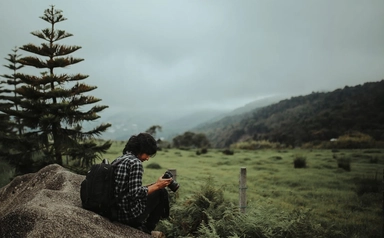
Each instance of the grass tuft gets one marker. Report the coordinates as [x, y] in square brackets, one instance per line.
[299, 162]
[344, 163]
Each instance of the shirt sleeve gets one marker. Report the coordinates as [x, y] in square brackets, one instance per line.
[135, 188]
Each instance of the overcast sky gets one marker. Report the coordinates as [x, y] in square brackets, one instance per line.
[180, 56]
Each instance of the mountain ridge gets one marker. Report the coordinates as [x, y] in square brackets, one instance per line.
[318, 116]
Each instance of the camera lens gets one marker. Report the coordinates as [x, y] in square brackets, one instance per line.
[173, 186]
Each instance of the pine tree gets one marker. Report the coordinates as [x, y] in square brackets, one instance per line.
[10, 94]
[5, 125]
[52, 102]
[15, 149]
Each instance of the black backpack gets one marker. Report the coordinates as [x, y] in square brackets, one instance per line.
[97, 190]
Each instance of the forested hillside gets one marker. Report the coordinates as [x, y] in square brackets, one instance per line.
[319, 116]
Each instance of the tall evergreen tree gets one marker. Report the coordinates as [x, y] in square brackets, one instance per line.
[5, 125]
[52, 101]
[10, 94]
[15, 149]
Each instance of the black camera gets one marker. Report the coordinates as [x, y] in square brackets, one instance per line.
[173, 185]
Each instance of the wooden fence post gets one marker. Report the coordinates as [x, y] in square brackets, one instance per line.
[243, 189]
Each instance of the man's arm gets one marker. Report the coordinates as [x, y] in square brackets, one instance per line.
[160, 183]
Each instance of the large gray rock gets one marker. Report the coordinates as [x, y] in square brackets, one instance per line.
[47, 204]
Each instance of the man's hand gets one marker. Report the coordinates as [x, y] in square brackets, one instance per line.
[160, 183]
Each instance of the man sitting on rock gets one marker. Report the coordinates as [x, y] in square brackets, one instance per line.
[139, 206]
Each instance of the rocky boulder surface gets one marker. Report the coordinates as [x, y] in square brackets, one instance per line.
[47, 204]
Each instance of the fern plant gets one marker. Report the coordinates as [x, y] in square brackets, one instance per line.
[208, 214]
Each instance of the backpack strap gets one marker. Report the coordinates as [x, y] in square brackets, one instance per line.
[114, 209]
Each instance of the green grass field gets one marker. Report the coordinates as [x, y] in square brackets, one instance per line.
[351, 200]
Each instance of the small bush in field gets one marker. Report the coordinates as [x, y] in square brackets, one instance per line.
[228, 152]
[202, 151]
[344, 163]
[276, 157]
[300, 162]
[153, 166]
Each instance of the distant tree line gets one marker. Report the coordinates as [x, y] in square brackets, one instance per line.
[191, 140]
[41, 115]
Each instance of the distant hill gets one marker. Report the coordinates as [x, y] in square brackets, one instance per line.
[318, 116]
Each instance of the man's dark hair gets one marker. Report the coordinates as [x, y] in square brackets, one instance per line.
[141, 143]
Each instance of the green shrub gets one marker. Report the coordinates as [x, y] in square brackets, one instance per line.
[300, 162]
[228, 152]
[202, 151]
[208, 214]
[153, 166]
[186, 218]
[344, 163]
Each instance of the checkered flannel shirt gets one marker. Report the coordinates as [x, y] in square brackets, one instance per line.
[128, 182]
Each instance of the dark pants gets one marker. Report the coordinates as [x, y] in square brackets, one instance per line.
[157, 207]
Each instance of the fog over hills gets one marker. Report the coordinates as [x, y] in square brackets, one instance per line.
[125, 124]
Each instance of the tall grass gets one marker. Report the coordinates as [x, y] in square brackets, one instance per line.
[331, 197]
